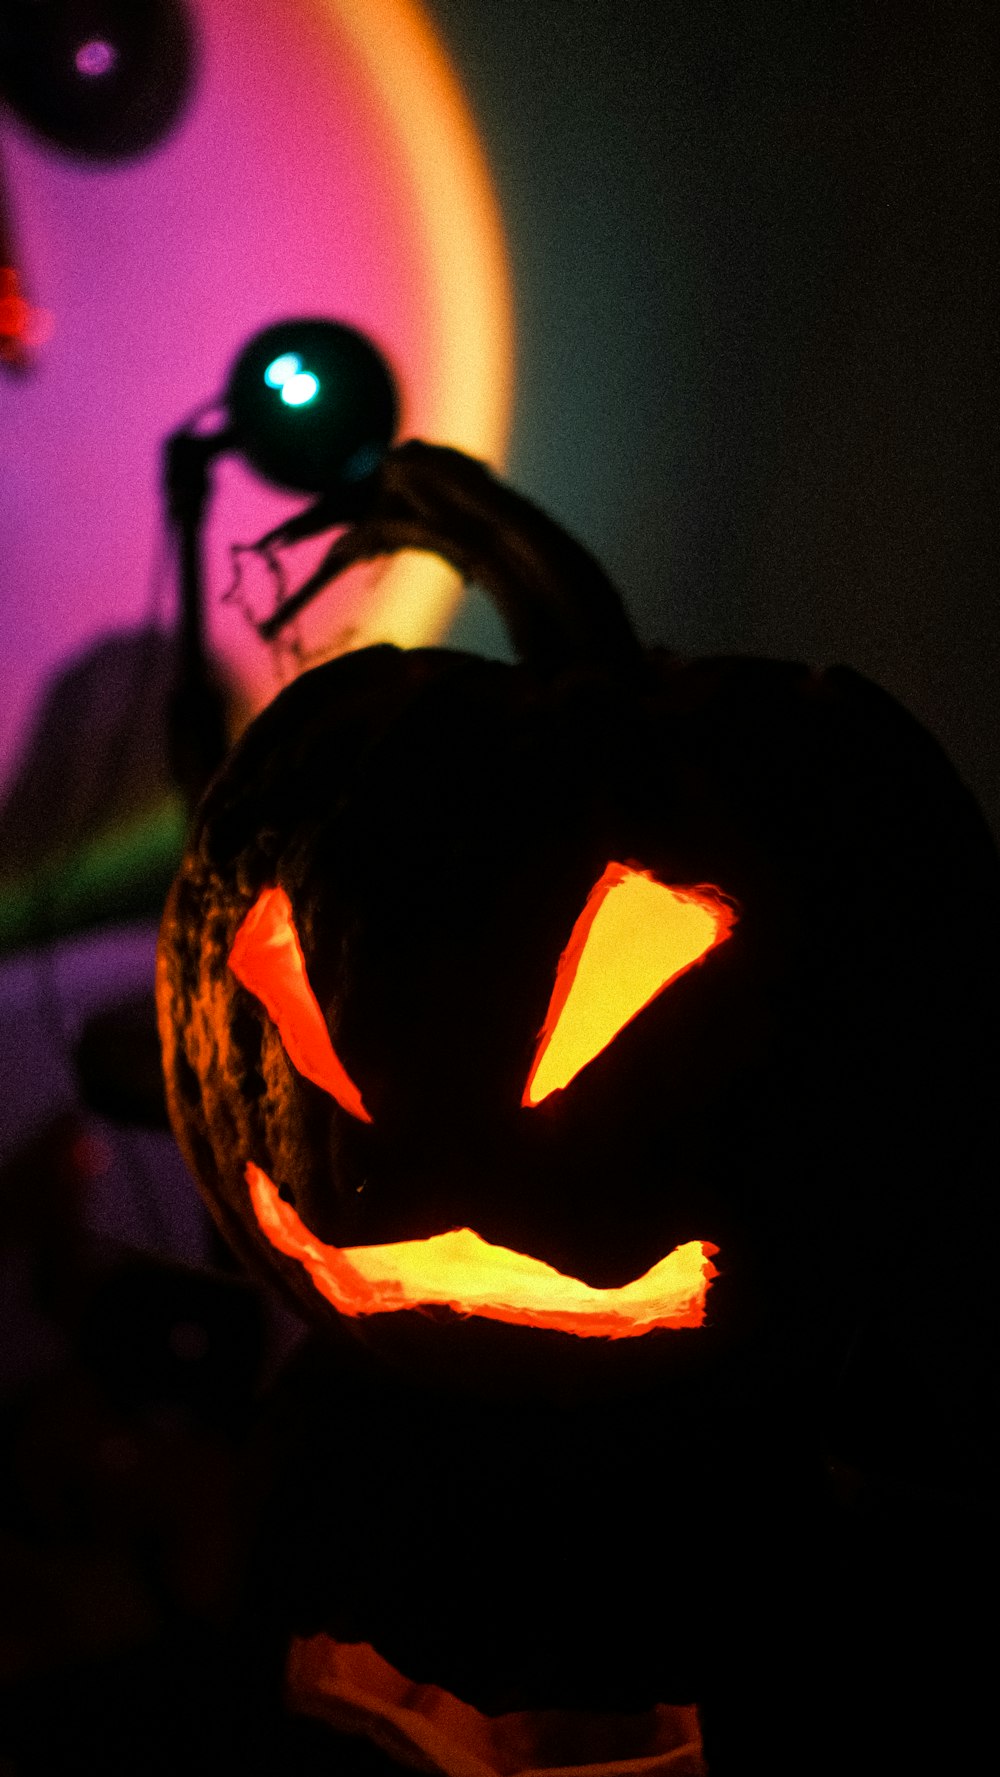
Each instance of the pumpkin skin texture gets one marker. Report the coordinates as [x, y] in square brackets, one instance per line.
[538, 1519]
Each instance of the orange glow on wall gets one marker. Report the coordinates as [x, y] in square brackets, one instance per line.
[451, 191]
[458, 1270]
[634, 937]
[465, 280]
[267, 959]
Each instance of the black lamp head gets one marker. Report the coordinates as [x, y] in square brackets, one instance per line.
[313, 407]
[102, 80]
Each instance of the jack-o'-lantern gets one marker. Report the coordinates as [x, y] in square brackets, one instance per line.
[587, 1030]
[517, 994]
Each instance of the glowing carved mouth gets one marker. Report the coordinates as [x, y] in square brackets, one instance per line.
[460, 1271]
[358, 1692]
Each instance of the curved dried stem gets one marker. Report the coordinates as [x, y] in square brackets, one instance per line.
[557, 602]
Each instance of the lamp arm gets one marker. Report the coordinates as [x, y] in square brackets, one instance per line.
[196, 716]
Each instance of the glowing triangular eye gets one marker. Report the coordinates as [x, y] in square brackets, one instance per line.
[634, 936]
[267, 959]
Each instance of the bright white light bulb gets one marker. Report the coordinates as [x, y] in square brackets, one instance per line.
[298, 389]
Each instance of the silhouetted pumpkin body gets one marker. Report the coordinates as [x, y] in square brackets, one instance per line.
[790, 1098]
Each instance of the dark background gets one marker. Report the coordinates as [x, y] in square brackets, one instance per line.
[754, 247]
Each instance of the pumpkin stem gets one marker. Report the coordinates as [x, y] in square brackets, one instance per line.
[557, 602]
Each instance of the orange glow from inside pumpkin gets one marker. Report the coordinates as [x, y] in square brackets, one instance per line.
[356, 1691]
[267, 959]
[460, 1271]
[632, 939]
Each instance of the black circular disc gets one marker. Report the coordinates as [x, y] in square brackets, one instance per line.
[100, 79]
[313, 406]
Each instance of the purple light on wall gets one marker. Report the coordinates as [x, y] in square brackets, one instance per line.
[207, 215]
[95, 57]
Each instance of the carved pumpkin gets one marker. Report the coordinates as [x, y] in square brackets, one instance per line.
[599, 1028]
[389, 1050]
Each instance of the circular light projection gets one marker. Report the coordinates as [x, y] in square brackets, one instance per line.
[326, 165]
